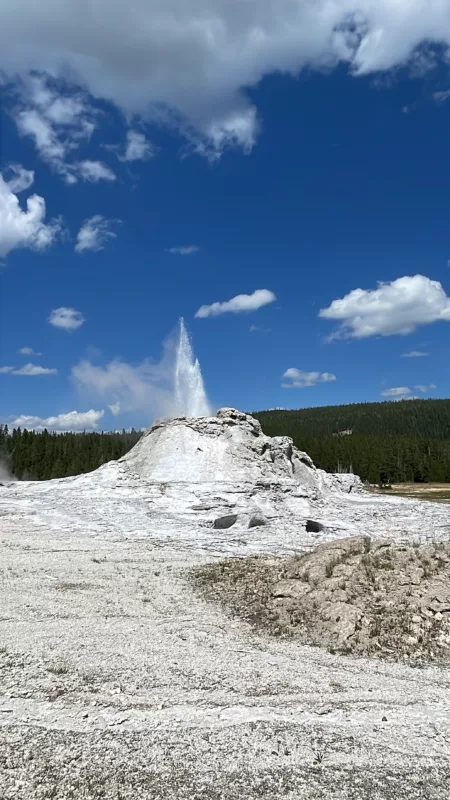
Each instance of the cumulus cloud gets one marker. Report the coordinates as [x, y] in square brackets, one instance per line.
[414, 354]
[424, 388]
[398, 307]
[114, 409]
[71, 421]
[66, 318]
[299, 379]
[19, 228]
[238, 304]
[188, 62]
[188, 250]
[28, 351]
[397, 392]
[29, 369]
[34, 369]
[94, 234]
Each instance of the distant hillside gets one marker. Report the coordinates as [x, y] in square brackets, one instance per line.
[387, 442]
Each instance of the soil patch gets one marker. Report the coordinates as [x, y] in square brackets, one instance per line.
[356, 595]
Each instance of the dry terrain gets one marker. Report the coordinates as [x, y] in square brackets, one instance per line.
[123, 679]
[437, 492]
[119, 681]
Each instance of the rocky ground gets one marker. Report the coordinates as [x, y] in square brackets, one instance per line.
[355, 595]
[119, 680]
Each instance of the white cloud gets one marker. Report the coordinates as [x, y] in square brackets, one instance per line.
[94, 234]
[259, 329]
[191, 61]
[397, 392]
[95, 171]
[398, 307]
[188, 250]
[238, 304]
[424, 388]
[21, 179]
[114, 409]
[58, 119]
[414, 354]
[147, 386]
[72, 421]
[441, 97]
[32, 123]
[138, 148]
[299, 379]
[29, 369]
[66, 318]
[142, 387]
[28, 351]
[34, 369]
[20, 228]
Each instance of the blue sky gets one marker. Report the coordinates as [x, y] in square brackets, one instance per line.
[308, 185]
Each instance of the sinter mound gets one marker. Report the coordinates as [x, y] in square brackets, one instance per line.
[355, 595]
[228, 448]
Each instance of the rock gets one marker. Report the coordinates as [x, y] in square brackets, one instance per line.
[344, 618]
[313, 527]
[256, 520]
[290, 588]
[228, 521]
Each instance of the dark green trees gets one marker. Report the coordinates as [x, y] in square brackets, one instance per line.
[39, 456]
[381, 442]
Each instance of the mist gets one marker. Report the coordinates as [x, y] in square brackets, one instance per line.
[5, 473]
[172, 386]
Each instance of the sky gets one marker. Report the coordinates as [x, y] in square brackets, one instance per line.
[275, 173]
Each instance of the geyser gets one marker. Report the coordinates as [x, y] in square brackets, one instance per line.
[189, 391]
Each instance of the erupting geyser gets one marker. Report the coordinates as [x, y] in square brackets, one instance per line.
[190, 395]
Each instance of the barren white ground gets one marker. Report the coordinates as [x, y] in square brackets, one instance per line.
[117, 681]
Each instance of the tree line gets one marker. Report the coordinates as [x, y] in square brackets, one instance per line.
[41, 455]
[390, 442]
[382, 442]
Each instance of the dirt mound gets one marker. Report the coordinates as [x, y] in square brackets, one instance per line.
[355, 595]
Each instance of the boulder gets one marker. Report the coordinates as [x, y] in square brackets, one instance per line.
[313, 527]
[228, 521]
[256, 520]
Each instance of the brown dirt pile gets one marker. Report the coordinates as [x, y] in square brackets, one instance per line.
[355, 595]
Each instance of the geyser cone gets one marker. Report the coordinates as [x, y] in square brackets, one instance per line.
[227, 448]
